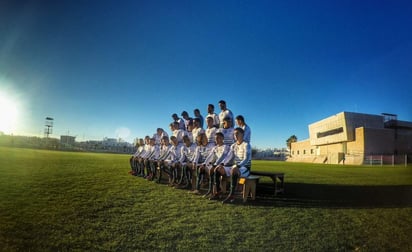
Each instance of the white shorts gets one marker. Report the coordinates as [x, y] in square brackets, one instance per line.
[244, 172]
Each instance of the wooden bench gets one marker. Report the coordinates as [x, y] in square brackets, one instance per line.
[249, 187]
[246, 186]
[277, 178]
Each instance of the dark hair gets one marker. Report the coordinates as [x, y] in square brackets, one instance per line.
[211, 105]
[197, 119]
[174, 115]
[220, 134]
[222, 101]
[240, 117]
[240, 130]
[196, 110]
[184, 113]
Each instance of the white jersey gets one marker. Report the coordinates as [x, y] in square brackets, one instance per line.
[196, 132]
[211, 134]
[223, 114]
[201, 153]
[239, 154]
[217, 154]
[189, 134]
[216, 121]
[158, 138]
[229, 136]
[164, 151]
[155, 152]
[138, 151]
[173, 153]
[146, 151]
[187, 153]
[179, 135]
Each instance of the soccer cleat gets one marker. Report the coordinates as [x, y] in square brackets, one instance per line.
[196, 192]
[215, 196]
[207, 194]
[229, 199]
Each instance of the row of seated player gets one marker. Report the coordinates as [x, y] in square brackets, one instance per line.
[184, 162]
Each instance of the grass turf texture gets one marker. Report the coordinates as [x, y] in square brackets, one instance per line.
[82, 201]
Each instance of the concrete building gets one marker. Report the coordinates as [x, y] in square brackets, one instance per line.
[354, 138]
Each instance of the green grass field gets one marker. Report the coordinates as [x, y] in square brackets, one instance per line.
[61, 201]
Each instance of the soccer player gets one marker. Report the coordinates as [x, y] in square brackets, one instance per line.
[240, 121]
[224, 114]
[210, 131]
[236, 164]
[186, 119]
[152, 157]
[201, 153]
[196, 128]
[211, 113]
[216, 157]
[227, 131]
[160, 133]
[180, 122]
[141, 158]
[189, 131]
[186, 162]
[157, 160]
[197, 114]
[134, 157]
[177, 132]
[168, 161]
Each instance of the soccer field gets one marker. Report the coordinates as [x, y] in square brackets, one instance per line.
[53, 201]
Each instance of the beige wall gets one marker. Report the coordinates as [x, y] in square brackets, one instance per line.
[360, 135]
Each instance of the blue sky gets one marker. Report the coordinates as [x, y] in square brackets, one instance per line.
[121, 68]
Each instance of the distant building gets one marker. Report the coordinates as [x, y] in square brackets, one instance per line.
[67, 141]
[354, 138]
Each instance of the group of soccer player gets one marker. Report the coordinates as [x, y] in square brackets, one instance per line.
[194, 154]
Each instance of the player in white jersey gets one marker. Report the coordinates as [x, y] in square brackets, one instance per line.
[227, 131]
[142, 155]
[178, 133]
[225, 113]
[163, 149]
[211, 113]
[196, 128]
[197, 114]
[167, 161]
[180, 122]
[210, 131]
[189, 131]
[151, 158]
[202, 152]
[160, 133]
[186, 118]
[216, 157]
[236, 164]
[240, 121]
[134, 157]
[186, 162]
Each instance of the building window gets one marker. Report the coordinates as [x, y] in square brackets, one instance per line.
[311, 151]
[298, 152]
[329, 132]
[304, 152]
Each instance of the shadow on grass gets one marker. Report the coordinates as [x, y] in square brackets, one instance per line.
[334, 196]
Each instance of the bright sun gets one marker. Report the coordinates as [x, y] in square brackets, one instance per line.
[8, 114]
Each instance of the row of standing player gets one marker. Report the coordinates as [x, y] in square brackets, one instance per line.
[216, 152]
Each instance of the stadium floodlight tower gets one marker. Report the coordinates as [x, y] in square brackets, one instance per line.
[48, 127]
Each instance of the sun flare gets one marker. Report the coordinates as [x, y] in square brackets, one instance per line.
[8, 114]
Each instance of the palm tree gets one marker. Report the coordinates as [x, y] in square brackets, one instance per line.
[290, 140]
